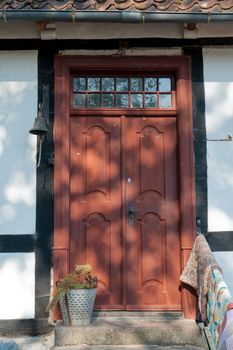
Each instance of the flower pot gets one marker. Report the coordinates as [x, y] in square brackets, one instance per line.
[63, 306]
[77, 306]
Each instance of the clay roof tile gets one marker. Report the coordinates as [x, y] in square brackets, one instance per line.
[142, 5]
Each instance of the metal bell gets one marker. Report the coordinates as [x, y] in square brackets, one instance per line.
[39, 127]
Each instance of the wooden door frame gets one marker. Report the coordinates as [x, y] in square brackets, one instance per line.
[181, 68]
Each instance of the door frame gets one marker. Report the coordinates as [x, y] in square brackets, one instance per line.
[180, 66]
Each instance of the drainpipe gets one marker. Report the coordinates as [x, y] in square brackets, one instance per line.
[114, 16]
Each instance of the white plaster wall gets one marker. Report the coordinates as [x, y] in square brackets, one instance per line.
[218, 77]
[18, 101]
[225, 260]
[17, 285]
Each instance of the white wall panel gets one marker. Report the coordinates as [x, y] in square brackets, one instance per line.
[18, 101]
[225, 260]
[17, 285]
[218, 77]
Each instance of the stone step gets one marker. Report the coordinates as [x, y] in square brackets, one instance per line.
[137, 314]
[127, 347]
[130, 331]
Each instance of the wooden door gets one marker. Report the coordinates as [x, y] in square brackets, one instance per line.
[124, 209]
[124, 198]
[152, 234]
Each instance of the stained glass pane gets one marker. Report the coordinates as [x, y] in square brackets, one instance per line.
[108, 100]
[79, 100]
[150, 101]
[107, 84]
[136, 101]
[93, 84]
[150, 84]
[93, 100]
[165, 101]
[164, 84]
[136, 84]
[79, 84]
[122, 100]
[122, 84]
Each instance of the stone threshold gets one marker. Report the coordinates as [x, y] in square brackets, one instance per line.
[123, 315]
[116, 331]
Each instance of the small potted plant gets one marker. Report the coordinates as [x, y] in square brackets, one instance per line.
[76, 294]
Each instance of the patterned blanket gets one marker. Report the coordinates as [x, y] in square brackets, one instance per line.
[197, 271]
[219, 313]
[226, 339]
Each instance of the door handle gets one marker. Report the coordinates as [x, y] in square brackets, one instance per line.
[131, 215]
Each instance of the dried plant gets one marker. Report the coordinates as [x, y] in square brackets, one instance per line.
[81, 278]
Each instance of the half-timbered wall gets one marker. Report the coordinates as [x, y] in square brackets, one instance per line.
[218, 77]
[24, 296]
[18, 101]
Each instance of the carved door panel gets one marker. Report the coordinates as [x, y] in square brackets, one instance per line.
[95, 191]
[152, 233]
[124, 209]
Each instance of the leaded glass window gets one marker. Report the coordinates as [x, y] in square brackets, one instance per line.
[134, 92]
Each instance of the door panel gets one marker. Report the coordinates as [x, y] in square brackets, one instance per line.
[96, 203]
[124, 209]
[153, 244]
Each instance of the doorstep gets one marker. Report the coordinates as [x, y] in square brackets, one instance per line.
[130, 328]
[127, 347]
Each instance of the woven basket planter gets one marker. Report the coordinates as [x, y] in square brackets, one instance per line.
[77, 307]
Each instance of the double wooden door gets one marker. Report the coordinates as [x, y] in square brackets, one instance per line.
[124, 209]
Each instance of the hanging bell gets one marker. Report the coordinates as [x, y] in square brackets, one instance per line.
[39, 127]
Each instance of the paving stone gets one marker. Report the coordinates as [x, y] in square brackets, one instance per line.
[43, 342]
[8, 345]
[127, 347]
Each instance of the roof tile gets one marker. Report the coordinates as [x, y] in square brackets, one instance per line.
[102, 5]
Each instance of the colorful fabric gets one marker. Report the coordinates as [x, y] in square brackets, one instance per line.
[219, 302]
[226, 339]
[198, 270]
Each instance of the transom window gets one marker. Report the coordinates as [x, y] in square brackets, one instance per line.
[123, 92]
